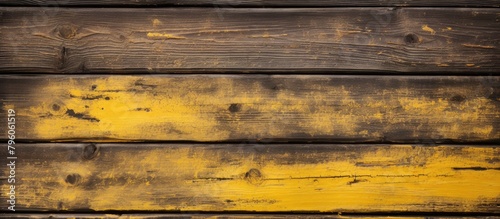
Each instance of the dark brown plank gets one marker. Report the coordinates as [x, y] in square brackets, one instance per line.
[251, 177]
[243, 3]
[176, 40]
[253, 107]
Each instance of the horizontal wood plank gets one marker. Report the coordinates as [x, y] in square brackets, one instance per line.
[252, 177]
[227, 216]
[428, 109]
[176, 40]
[244, 3]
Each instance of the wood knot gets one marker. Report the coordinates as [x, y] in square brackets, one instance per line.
[67, 31]
[234, 108]
[56, 108]
[457, 98]
[411, 39]
[73, 179]
[90, 151]
[253, 176]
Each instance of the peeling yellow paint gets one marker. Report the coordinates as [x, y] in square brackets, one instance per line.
[477, 46]
[221, 108]
[483, 130]
[267, 35]
[156, 22]
[428, 29]
[154, 35]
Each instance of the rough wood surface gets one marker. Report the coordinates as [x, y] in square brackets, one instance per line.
[243, 3]
[174, 40]
[253, 107]
[252, 177]
[229, 216]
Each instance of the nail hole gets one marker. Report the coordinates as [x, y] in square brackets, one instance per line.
[106, 98]
[94, 87]
[73, 179]
[90, 151]
[234, 108]
[411, 38]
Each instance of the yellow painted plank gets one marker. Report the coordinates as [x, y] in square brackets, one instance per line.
[252, 177]
[260, 108]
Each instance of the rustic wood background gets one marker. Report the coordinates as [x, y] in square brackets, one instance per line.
[252, 108]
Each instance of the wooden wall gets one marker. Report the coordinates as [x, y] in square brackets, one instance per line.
[250, 108]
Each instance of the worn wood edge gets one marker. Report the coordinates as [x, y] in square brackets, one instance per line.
[421, 40]
[256, 3]
[348, 178]
[259, 108]
[226, 216]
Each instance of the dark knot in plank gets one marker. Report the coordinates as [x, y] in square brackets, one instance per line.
[73, 179]
[90, 151]
[253, 176]
[234, 108]
[411, 39]
[457, 98]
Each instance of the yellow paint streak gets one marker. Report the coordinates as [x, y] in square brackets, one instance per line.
[267, 35]
[477, 46]
[156, 22]
[446, 29]
[428, 29]
[397, 178]
[155, 35]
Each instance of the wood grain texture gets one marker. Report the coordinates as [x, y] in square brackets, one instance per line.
[243, 3]
[176, 40]
[429, 109]
[252, 177]
[226, 216]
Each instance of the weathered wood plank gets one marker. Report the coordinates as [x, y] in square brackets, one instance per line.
[229, 215]
[252, 177]
[173, 40]
[253, 107]
[243, 3]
